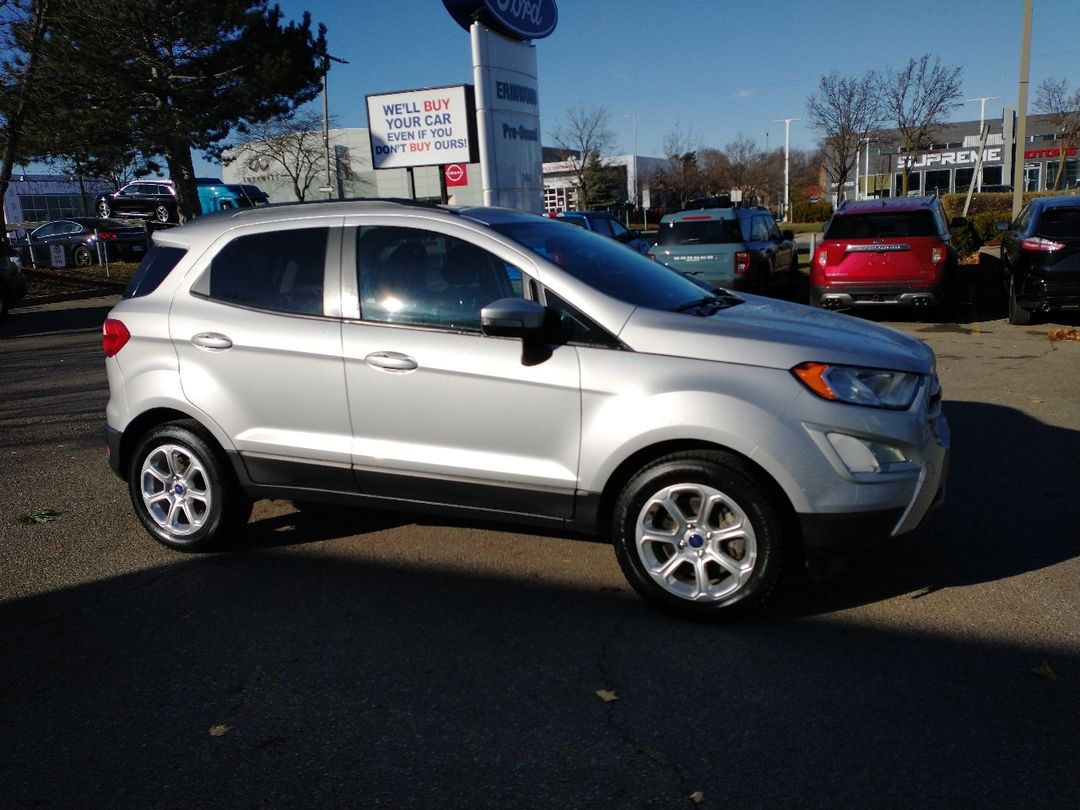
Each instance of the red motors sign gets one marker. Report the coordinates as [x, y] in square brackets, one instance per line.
[1035, 154]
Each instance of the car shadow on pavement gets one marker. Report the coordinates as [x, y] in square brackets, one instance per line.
[1010, 509]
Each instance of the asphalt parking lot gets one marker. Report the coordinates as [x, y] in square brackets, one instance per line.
[334, 658]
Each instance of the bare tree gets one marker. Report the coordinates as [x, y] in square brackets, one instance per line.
[918, 97]
[680, 179]
[748, 167]
[582, 134]
[290, 144]
[1052, 99]
[844, 110]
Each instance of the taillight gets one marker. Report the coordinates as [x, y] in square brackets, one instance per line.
[107, 235]
[114, 336]
[742, 261]
[651, 255]
[937, 255]
[822, 258]
[1040, 245]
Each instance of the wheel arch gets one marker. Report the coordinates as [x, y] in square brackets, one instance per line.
[647, 455]
[155, 417]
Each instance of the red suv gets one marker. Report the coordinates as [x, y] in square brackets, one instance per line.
[894, 251]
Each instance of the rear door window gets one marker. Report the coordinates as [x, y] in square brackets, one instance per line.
[281, 271]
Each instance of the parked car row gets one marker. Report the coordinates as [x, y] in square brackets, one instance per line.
[157, 199]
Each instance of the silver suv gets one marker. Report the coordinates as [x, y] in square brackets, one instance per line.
[502, 365]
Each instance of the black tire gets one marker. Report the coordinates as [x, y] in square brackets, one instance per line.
[1017, 314]
[161, 213]
[82, 257]
[104, 210]
[184, 493]
[667, 528]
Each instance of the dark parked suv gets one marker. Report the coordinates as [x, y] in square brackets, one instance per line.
[1040, 253]
[892, 252]
[143, 198]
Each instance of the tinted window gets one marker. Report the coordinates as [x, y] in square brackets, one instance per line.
[699, 232]
[408, 275]
[280, 271]
[1060, 223]
[152, 270]
[882, 226]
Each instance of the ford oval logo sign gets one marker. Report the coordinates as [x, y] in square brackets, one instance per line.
[518, 19]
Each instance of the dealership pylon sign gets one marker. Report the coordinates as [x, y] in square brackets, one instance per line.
[507, 95]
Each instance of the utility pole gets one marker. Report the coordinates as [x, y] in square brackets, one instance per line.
[328, 189]
[787, 165]
[982, 120]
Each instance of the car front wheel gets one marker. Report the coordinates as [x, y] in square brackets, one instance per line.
[699, 535]
[104, 209]
[161, 214]
[184, 494]
[82, 257]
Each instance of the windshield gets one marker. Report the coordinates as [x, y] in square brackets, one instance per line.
[607, 265]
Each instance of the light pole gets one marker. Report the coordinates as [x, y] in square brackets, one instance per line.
[787, 166]
[328, 189]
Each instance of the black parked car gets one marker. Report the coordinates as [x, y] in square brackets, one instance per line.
[605, 224]
[1040, 252]
[86, 240]
[143, 198]
[12, 280]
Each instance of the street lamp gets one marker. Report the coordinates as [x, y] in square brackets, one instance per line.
[982, 117]
[326, 60]
[787, 183]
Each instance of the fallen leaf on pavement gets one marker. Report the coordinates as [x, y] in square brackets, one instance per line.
[219, 730]
[39, 516]
[606, 695]
[697, 797]
[1044, 670]
[1065, 334]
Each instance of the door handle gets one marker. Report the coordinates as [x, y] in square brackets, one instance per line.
[215, 341]
[391, 361]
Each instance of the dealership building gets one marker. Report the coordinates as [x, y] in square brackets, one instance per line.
[953, 163]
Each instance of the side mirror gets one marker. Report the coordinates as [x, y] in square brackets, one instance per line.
[1002, 226]
[512, 317]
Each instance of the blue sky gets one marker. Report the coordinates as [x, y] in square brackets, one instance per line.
[715, 68]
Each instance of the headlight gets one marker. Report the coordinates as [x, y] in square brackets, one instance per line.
[874, 387]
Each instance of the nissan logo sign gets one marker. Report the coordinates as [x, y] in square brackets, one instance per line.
[517, 19]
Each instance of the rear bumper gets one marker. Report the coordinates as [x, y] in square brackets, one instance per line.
[833, 298]
[1047, 292]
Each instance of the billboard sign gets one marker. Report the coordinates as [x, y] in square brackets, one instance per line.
[428, 127]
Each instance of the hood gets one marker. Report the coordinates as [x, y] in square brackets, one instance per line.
[775, 334]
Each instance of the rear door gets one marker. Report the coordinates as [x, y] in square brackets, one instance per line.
[440, 412]
[259, 347]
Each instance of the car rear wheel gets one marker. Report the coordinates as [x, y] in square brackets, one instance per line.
[82, 257]
[1017, 314]
[183, 492]
[161, 214]
[699, 535]
[104, 209]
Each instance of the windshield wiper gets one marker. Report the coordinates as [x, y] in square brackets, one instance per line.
[713, 302]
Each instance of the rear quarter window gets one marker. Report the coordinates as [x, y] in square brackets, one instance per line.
[152, 270]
